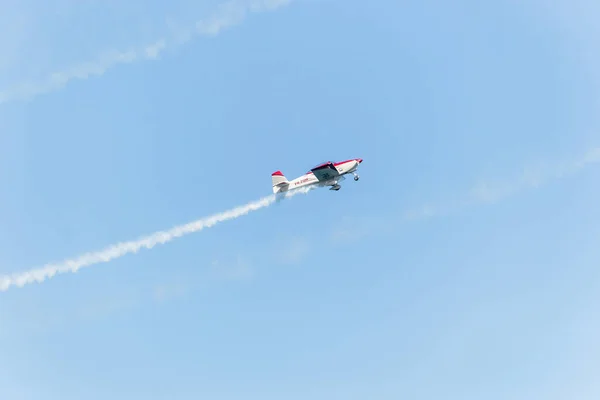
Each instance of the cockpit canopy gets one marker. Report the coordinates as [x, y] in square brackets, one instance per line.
[320, 165]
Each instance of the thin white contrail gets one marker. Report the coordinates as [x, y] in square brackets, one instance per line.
[229, 14]
[148, 242]
[530, 178]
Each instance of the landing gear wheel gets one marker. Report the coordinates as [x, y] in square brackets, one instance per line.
[356, 177]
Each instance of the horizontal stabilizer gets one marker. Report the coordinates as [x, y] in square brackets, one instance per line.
[280, 182]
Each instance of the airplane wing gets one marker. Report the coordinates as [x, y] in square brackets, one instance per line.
[325, 172]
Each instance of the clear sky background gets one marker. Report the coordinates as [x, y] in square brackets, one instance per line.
[463, 265]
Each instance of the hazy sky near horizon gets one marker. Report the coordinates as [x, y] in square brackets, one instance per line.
[463, 264]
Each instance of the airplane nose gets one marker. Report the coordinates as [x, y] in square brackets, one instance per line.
[359, 160]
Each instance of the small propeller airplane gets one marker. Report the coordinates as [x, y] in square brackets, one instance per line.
[325, 174]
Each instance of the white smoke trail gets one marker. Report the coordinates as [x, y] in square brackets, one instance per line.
[490, 192]
[148, 242]
[228, 15]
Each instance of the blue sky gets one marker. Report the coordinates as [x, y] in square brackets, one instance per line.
[463, 264]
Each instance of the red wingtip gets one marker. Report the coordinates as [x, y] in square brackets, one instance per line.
[277, 173]
[359, 160]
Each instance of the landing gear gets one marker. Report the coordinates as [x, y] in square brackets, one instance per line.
[356, 177]
[335, 187]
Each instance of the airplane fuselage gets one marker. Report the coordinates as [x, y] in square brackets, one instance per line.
[343, 168]
[329, 174]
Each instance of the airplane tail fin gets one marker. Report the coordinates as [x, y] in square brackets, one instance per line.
[280, 182]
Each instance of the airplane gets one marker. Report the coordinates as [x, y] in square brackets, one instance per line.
[325, 174]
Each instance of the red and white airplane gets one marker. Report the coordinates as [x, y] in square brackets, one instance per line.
[325, 174]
